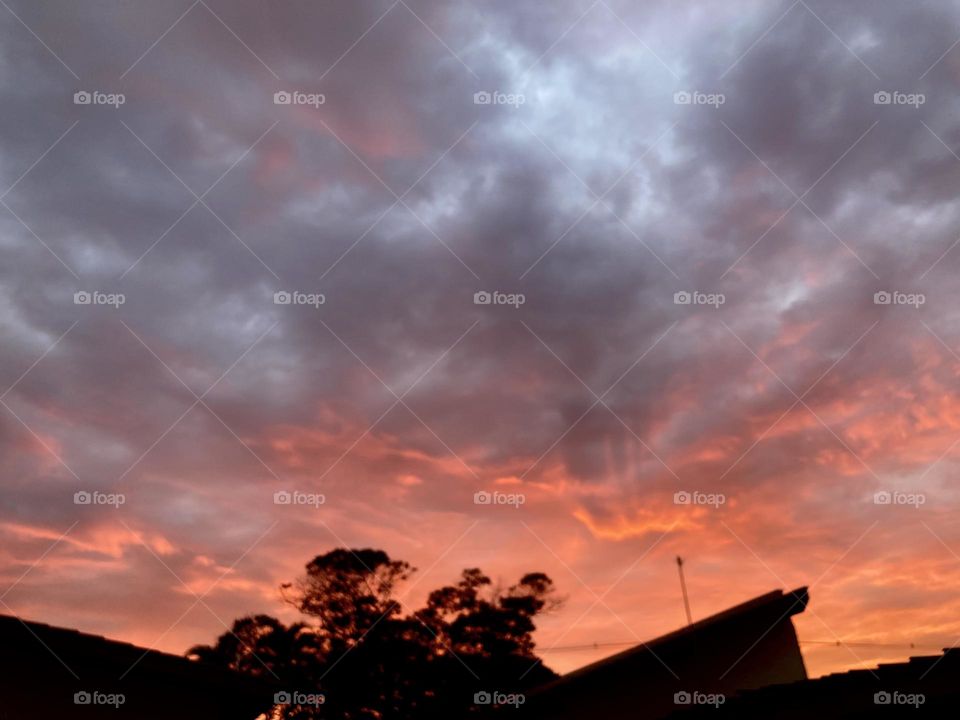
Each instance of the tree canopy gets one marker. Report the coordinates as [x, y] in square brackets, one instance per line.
[372, 656]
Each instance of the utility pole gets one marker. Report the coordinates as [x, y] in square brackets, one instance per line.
[683, 588]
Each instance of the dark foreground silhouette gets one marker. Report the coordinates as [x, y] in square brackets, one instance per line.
[362, 653]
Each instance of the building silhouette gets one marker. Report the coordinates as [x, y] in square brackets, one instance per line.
[926, 686]
[745, 662]
[748, 646]
[51, 673]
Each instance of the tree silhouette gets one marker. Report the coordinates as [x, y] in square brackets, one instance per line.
[371, 657]
[264, 647]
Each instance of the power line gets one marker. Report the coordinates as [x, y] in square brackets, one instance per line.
[594, 646]
[856, 643]
[835, 643]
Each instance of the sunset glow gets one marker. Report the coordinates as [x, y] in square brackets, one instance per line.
[550, 287]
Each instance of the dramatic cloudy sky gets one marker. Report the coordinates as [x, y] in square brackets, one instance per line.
[598, 198]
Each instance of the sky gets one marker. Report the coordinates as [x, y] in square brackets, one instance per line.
[573, 287]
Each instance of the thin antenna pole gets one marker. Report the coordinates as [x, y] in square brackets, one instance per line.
[683, 588]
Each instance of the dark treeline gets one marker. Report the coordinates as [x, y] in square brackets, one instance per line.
[370, 656]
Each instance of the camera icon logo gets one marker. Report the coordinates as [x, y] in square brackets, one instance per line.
[82, 97]
[282, 297]
[282, 497]
[882, 498]
[82, 498]
[82, 698]
[282, 98]
[282, 698]
[682, 698]
[482, 98]
[681, 497]
[682, 98]
[482, 698]
[882, 698]
[482, 497]
[482, 298]
[682, 298]
[82, 297]
[882, 98]
[882, 298]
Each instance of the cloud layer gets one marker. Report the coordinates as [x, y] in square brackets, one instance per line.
[740, 157]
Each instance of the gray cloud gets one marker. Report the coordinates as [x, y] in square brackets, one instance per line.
[501, 198]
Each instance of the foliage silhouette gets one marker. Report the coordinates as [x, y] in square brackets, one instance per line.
[372, 657]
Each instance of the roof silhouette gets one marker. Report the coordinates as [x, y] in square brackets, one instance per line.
[922, 686]
[44, 667]
[791, 603]
[747, 646]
